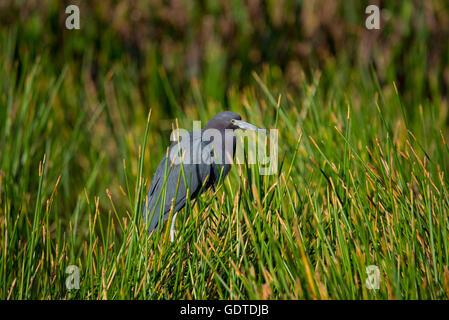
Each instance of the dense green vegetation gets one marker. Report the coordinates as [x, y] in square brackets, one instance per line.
[86, 115]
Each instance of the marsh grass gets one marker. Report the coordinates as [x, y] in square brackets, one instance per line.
[361, 181]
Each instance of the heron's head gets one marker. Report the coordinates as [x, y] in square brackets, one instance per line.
[230, 120]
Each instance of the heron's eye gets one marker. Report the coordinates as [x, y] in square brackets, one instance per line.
[232, 121]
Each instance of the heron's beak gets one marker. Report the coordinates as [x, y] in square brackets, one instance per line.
[247, 126]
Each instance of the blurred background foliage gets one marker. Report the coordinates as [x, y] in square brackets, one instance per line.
[221, 41]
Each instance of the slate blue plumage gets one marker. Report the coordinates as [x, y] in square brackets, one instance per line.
[203, 163]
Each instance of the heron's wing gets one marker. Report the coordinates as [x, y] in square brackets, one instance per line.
[194, 176]
[222, 153]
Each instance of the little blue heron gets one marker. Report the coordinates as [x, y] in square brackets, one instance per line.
[195, 162]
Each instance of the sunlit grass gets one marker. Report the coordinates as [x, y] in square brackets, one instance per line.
[361, 182]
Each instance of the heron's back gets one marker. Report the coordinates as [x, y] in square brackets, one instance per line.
[170, 184]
